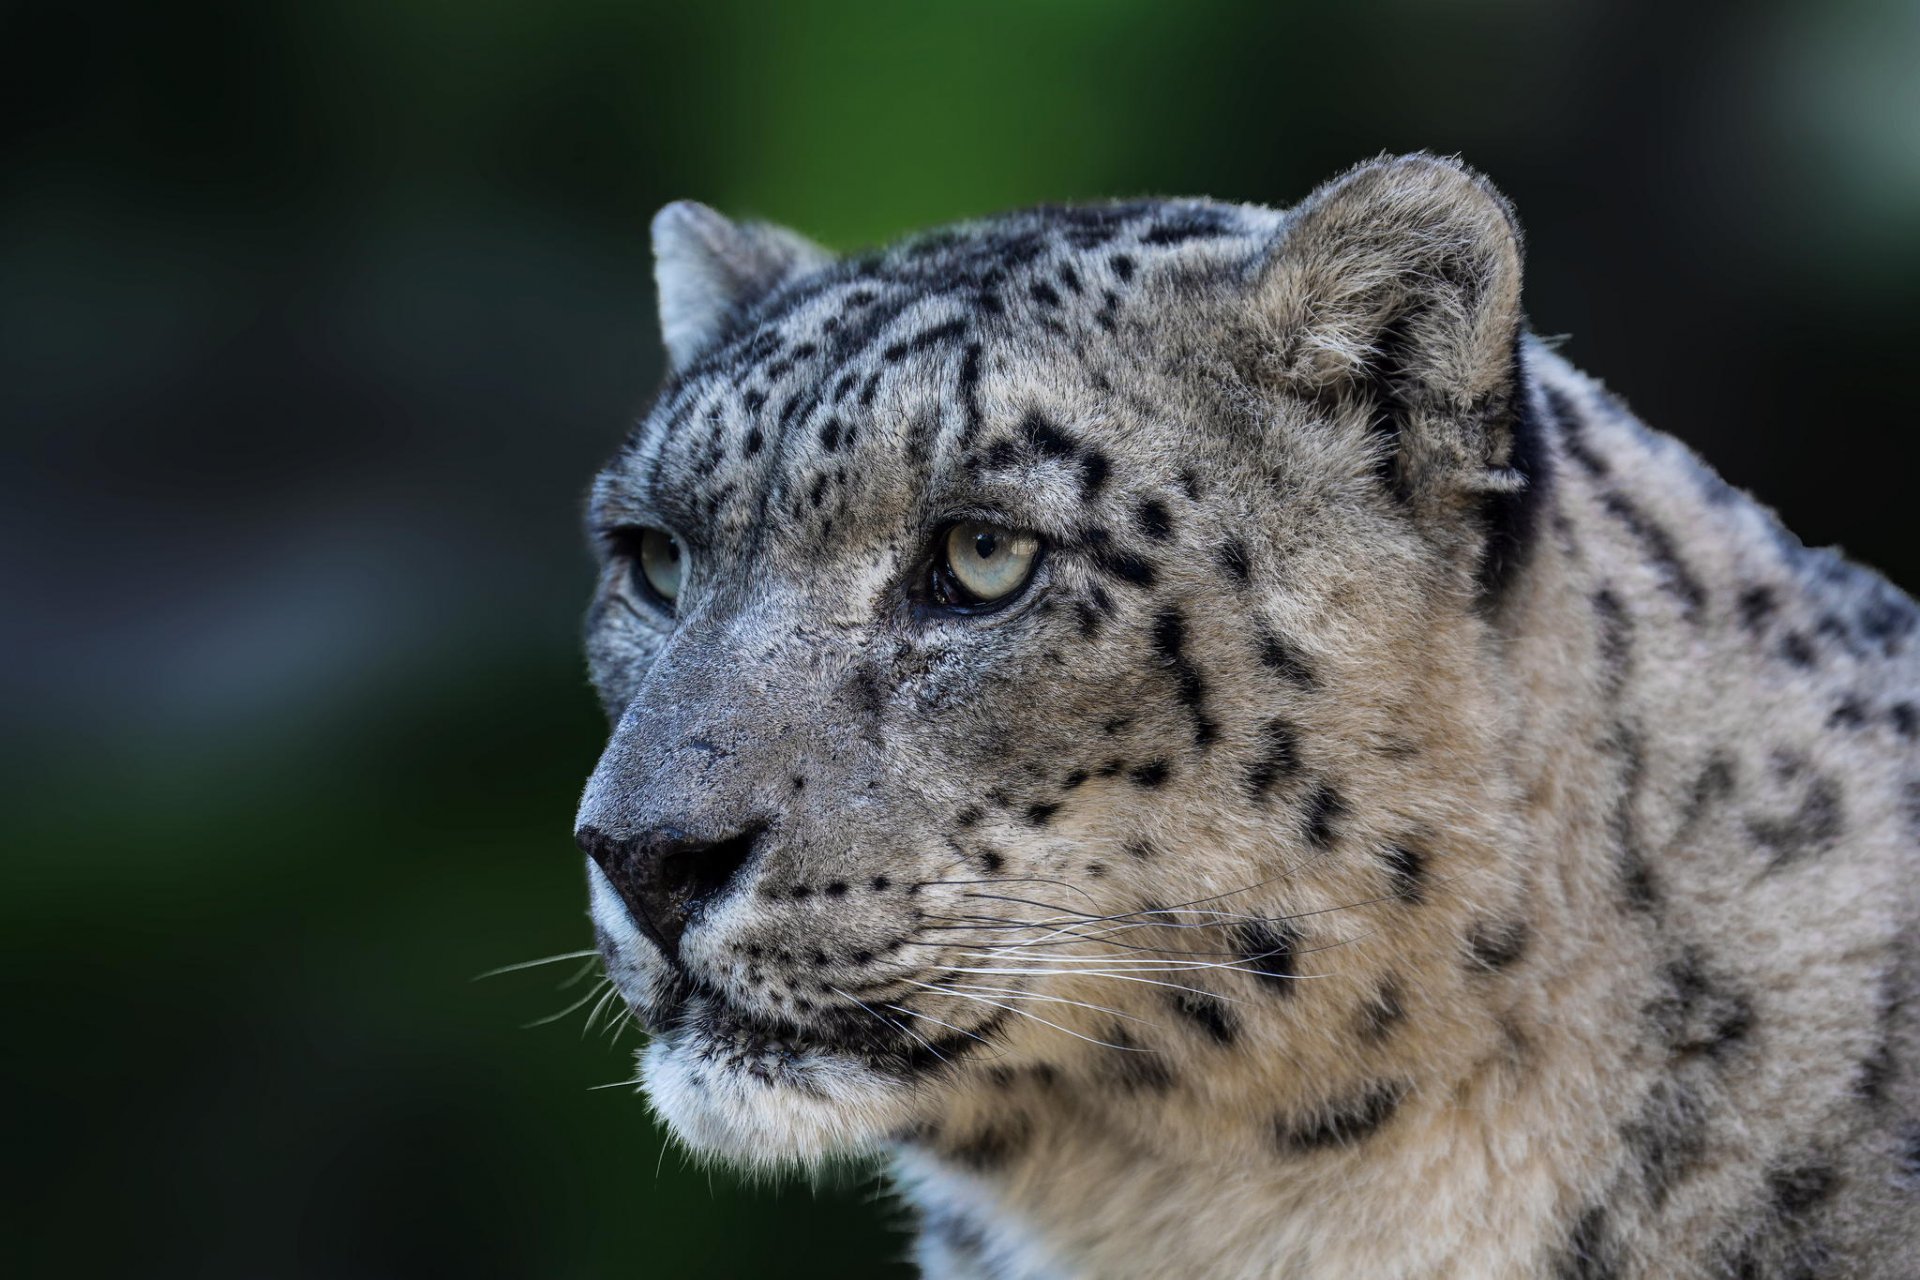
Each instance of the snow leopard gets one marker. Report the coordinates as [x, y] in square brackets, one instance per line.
[1193, 736]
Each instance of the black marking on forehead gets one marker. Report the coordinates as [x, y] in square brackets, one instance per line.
[970, 393]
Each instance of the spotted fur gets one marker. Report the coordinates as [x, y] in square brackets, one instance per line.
[1418, 821]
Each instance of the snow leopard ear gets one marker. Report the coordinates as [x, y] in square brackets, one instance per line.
[1394, 290]
[710, 270]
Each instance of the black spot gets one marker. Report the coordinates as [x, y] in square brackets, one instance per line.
[1141, 849]
[1616, 636]
[1268, 947]
[969, 392]
[1093, 472]
[926, 340]
[755, 438]
[1154, 520]
[1207, 1013]
[1492, 947]
[1851, 713]
[1908, 1154]
[1040, 815]
[1573, 437]
[1323, 807]
[991, 1147]
[1124, 565]
[1809, 829]
[1232, 556]
[1122, 266]
[1667, 1137]
[1279, 757]
[967, 817]
[1280, 656]
[992, 861]
[1340, 1122]
[1636, 874]
[1797, 649]
[1675, 577]
[1133, 1065]
[1756, 607]
[1069, 277]
[1797, 1189]
[1045, 294]
[1151, 774]
[1188, 224]
[880, 884]
[1382, 1012]
[837, 889]
[1169, 644]
[830, 435]
[1590, 1252]
[1044, 438]
[1906, 721]
[1694, 1013]
[1073, 779]
[1407, 868]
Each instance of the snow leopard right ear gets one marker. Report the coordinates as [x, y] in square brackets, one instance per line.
[710, 270]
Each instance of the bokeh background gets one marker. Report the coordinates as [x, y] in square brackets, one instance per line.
[314, 320]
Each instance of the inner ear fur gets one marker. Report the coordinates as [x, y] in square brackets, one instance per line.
[709, 270]
[1395, 289]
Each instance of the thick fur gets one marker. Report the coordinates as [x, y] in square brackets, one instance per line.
[1418, 821]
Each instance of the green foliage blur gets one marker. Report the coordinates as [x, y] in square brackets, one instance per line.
[315, 319]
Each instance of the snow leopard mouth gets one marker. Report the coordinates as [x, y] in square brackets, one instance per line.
[774, 1051]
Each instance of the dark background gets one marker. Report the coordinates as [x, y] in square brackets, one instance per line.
[315, 319]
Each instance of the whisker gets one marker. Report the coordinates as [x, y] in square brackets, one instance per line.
[533, 964]
[914, 1013]
[555, 1017]
[889, 1022]
[1027, 1013]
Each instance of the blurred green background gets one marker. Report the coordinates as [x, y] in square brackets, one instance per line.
[315, 319]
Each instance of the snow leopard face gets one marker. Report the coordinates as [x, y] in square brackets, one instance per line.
[981, 616]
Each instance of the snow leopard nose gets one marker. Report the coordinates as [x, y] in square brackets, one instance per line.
[666, 876]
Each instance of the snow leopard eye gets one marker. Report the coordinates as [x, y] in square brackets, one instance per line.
[981, 563]
[660, 565]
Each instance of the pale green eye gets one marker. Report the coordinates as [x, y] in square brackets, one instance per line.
[987, 562]
[662, 564]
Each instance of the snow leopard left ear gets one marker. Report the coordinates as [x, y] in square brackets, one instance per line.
[1394, 291]
[710, 270]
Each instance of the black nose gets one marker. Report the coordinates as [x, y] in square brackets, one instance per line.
[666, 876]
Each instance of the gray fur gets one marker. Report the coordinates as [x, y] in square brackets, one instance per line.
[1418, 822]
